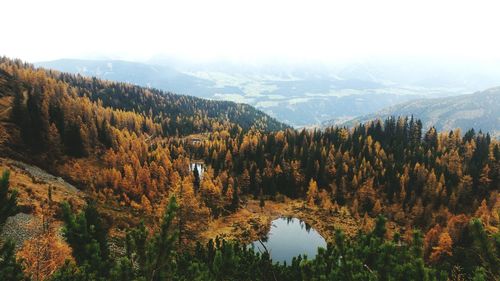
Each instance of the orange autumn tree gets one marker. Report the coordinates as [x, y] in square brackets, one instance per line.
[312, 193]
[193, 215]
[443, 249]
[212, 193]
[44, 254]
[325, 201]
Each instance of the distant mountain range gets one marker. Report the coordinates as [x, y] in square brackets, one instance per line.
[301, 96]
[155, 76]
[480, 111]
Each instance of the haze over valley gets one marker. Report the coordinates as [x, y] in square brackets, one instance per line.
[255, 140]
[299, 94]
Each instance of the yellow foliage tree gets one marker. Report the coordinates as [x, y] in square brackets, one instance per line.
[325, 201]
[193, 215]
[312, 193]
[377, 208]
[443, 249]
[43, 255]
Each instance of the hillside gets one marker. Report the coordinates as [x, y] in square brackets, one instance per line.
[149, 100]
[301, 95]
[478, 111]
[296, 95]
[32, 185]
[154, 76]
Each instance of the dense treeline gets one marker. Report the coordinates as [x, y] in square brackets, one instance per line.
[156, 257]
[389, 166]
[172, 114]
[133, 146]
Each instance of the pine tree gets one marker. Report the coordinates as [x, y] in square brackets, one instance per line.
[160, 249]
[262, 202]
[8, 199]
[484, 249]
[479, 274]
[87, 236]
[10, 269]
[70, 272]
[235, 201]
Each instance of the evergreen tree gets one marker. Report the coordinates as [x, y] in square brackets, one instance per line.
[154, 257]
[10, 269]
[87, 236]
[484, 249]
[235, 201]
[8, 199]
[70, 272]
[262, 202]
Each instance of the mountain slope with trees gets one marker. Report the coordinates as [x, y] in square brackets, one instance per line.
[131, 149]
[147, 75]
[478, 111]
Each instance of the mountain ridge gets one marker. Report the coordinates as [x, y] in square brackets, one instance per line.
[476, 110]
[299, 95]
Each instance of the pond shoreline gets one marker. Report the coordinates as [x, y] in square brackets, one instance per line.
[250, 223]
[290, 237]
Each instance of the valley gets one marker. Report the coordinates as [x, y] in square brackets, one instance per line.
[189, 140]
[301, 96]
[105, 170]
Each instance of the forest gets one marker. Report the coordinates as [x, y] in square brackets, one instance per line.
[132, 148]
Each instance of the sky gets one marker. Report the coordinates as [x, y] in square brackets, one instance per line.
[307, 30]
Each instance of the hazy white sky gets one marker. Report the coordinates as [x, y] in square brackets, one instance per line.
[37, 30]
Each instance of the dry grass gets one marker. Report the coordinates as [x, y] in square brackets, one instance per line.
[251, 222]
[33, 184]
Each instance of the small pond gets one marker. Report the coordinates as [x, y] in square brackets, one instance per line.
[288, 238]
[198, 166]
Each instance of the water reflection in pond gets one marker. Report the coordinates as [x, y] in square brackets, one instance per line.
[290, 237]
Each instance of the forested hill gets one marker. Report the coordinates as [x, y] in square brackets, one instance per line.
[131, 150]
[177, 114]
[478, 111]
